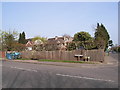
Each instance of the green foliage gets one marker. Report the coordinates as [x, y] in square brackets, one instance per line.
[19, 40]
[43, 39]
[8, 39]
[22, 38]
[119, 49]
[66, 61]
[110, 43]
[88, 45]
[100, 43]
[116, 49]
[83, 39]
[82, 36]
[101, 37]
[41, 45]
[71, 46]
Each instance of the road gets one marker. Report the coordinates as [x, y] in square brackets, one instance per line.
[26, 75]
[115, 55]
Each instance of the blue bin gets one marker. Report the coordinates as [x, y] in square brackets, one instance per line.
[9, 56]
[13, 55]
[16, 55]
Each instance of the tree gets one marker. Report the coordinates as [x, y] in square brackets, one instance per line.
[8, 39]
[22, 38]
[118, 49]
[82, 36]
[110, 43]
[43, 39]
[101, 37]
[19, 40]
[71, 46]
[88, 45]
[18, 47]
[39, 43]
[1, 39]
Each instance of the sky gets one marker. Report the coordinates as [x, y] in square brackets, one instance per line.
[50, 19]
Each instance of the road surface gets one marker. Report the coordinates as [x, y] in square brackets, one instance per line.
[27, 75]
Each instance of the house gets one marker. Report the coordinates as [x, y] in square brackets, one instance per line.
[58, 43]
[30, 44]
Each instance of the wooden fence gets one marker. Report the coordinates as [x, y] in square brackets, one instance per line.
[95, 55]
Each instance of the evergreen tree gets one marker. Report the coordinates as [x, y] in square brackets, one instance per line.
[22, 38]
[101, 37]
[19, 40]
[110, 43]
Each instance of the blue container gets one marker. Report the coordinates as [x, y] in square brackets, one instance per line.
[16, 55]
[9, 56]
[13, 55]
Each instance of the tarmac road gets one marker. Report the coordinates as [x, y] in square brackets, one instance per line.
[27, 75]
[115, 55]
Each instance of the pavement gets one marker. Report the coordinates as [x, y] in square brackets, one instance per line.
[34, 74]
[112, 59]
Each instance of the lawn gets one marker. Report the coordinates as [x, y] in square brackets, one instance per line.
[66, 61]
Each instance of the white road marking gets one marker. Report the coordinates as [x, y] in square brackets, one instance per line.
[84, 77]
[24, 69]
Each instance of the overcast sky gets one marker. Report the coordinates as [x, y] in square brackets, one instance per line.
[55, 19]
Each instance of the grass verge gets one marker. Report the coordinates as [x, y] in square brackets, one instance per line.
[65, 61]
[22, 59]
[47, 60]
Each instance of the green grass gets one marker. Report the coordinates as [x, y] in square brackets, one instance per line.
[47, 60]
[22, 59]
[65, 61]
